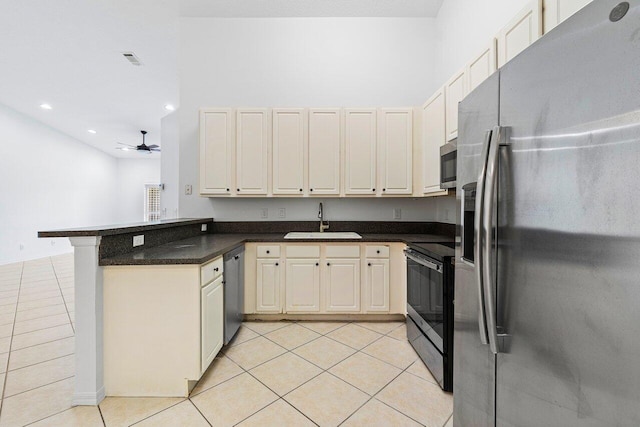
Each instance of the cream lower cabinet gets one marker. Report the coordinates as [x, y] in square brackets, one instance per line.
[341, 278]
[268, 281]
[302, 278]
[327, 278]
[163, 325]
[212, 317]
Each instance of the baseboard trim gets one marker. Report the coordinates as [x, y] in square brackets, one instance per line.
[88, 398]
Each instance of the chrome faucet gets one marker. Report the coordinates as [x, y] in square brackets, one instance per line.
[323, 226]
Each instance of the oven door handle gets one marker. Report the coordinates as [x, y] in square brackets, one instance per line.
[423, 261]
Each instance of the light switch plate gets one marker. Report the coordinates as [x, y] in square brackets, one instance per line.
[203, 227]
[282, 213]
[397, 213]
[188, 189]
[264, 213]
[138, 240]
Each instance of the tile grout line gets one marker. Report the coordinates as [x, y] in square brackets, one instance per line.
[154, 414]
[101, 416]
[198, 409]
[62, 295]
[39, 363]
[6, 375]
[40, 386]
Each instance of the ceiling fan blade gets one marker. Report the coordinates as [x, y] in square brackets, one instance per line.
[153, 146]
[132, 146]
[157, 150]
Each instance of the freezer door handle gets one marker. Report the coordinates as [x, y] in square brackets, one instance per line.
[488, 279]
[478, 234]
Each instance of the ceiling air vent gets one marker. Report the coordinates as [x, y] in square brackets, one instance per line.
[132, 58]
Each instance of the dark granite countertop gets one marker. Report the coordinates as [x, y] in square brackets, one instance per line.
[200, 249]
[114, 229]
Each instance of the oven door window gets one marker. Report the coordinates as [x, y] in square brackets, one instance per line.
[425, 294]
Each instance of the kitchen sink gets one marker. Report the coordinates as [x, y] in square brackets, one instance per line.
[323, 235]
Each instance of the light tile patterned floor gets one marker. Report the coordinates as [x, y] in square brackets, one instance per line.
[272, 373]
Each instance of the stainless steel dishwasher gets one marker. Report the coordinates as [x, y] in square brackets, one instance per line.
[233, 292]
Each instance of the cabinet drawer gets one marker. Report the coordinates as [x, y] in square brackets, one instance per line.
[271, 251]
[377, 251]
[210, 271]
[342, 251]
[303, 251]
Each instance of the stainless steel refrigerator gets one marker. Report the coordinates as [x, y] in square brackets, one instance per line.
[547, 291]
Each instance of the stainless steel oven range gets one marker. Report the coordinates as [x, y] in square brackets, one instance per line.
[430, 285]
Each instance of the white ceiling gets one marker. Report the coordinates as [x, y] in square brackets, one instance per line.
[309, 8]
[68, 53]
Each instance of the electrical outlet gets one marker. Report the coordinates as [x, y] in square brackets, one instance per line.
[282, 213]
[138, 240]
[188, 189]
[446, 214]
[397, 213]
[21, 246]
[264, 213]
[203, 227]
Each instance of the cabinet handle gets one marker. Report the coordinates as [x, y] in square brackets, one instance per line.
[277, 264]
[268, 252]
[369, 264]
[216, 269]
[236, 257]
[373, 189]
[384, 189]
[317, 263]
[227, 190]
[328, 263]
[237, 189]
[311, 189]
[378, 251]
[301, 190]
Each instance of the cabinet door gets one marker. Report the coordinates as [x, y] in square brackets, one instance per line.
[252, 148]
[395, 141]
[302, 285]
[325, 142]
[433, 137]
[520, 33]
[360, 151]
[289, 150]
[341, 282]
[217, 157]
[268, 286]
[212, 317]
[376, 289]
[556, 11]
[482, 66]
[455, 91]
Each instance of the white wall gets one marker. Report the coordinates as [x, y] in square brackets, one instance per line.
[48, 180]
[301, 62]
[170, 174]
[132, 176]
[464, 27]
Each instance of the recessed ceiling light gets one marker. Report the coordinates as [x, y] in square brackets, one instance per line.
[169, 107]
[92, 131]
[46, 106]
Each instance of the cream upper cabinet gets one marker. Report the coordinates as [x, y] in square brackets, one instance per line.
[252, 151]
[268, 292]
[325, 146]
[217, 157]
[556, 11]
[433, 137]
[376, 285]
[289, 150]
[395, 143]
[482, 66]
[341, 283]
[524, 29]
[302, 285]
[360, 151]
[455, 91]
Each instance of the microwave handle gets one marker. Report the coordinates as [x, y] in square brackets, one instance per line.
[479, 237]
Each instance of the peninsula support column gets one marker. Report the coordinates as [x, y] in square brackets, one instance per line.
[89, 378]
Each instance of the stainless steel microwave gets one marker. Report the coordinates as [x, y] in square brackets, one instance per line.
[448, 168]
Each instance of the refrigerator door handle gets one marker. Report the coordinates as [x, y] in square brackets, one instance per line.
[478, 234]
[487, 243]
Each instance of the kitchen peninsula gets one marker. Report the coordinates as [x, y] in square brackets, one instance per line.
[172, 265]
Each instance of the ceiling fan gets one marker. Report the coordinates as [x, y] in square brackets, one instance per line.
[142, 147]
